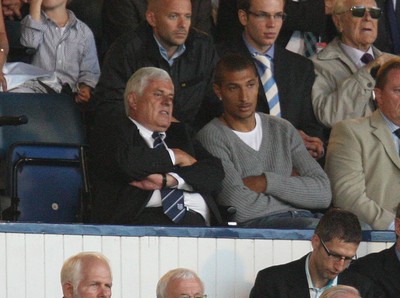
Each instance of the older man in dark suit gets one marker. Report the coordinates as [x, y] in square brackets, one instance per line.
[293, 74]
[141, 160]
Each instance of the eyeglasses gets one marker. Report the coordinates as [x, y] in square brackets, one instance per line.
[195, 296]
[264, 16]
[359, 11]
[336, 257]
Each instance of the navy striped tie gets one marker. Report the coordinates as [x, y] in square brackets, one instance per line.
[172, 198]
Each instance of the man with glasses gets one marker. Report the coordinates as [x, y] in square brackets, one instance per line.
[383, 267]
[286, 78]
[180, 283]
[335, 242]
[344, 81]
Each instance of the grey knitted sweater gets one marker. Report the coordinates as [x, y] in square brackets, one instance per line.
[281, 151]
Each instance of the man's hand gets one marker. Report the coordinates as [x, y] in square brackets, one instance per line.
[182, 158]
[154, 181]
[151, 182]
[314, 145]
[256, 183]
[379, 61]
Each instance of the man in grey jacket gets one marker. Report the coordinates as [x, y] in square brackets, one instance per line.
[270, 177]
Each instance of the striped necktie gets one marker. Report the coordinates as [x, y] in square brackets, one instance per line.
[310, 44]
[172, 198]
[269, 84]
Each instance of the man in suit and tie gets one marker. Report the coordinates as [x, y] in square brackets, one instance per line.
[363, 161]
[144, 158]
[334, 243]
[293, 74]
[383, 267]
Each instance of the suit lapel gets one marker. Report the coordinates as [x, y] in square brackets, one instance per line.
[382, 132]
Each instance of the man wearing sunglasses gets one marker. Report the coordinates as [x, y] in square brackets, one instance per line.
[344, 81]
[335, 242]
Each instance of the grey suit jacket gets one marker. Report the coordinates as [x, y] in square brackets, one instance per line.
[364, 169]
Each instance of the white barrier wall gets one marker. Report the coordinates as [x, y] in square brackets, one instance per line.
[30, 262]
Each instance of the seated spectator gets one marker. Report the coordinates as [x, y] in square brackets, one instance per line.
[363, 161]
[141, 158]
[341, 292]
[180, 282]
[270, 177]
[335, 242]
[120, 16]
[64, 45]
[289, 95]
[85, 275]
[165, 41]
[344, 81]
[383, 267]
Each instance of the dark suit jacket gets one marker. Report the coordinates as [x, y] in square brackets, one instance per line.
[384, 41]
[383, 268]
[119, 155]
[290, 280]
[294, 76]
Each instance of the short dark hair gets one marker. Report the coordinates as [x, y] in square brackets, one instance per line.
[340, 224]
[382, 74]
[231, 63]
[245, 4]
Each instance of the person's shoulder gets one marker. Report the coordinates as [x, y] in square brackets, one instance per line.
[273, 121]
[370, 260]
[196, 36]
[209, 130]
[293, 59]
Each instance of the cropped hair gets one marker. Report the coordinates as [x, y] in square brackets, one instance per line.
[140, 79]
[245, 4]
[339, 7]
[71, 271]
[339, 290]
[232, 63]
[382, 74]
[179, 273]
[340, 224]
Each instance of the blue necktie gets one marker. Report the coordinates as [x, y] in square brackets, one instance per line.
[172, 198]
[366, 58]
[393, 26]
[397, 132]
[269, 84]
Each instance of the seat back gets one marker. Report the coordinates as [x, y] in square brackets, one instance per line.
[46, 182]
[52, 118]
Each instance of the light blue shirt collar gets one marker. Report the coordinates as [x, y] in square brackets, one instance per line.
[392, 127]
[179, 51]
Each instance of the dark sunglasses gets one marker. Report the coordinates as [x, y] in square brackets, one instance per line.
[359, 11]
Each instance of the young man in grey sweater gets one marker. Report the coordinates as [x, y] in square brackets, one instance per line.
[270, 177]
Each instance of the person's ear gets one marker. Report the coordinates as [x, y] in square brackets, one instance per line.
[338, 23]
[315, 241]
[150, 18]
[242, 15]
[217, 91]
[68, 290]
[378, 96]
[132, 101]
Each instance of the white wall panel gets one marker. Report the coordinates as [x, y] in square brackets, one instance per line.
[30, 263]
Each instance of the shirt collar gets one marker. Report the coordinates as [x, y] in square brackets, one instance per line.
[270, 52]
[311, 286]
[355, 54]
[392, 127]
[179, 51]
[147, 133]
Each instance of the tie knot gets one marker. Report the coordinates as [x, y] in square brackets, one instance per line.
[157, 139]
[397, 132]
[263, 59]
[367, 58]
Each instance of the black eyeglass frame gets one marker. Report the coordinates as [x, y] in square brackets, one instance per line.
[358, 11]
[336, 257]
[264, 15]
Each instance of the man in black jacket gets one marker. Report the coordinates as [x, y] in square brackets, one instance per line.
[334, 244]
[166, 41]
[140, 155]
[383, 267]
